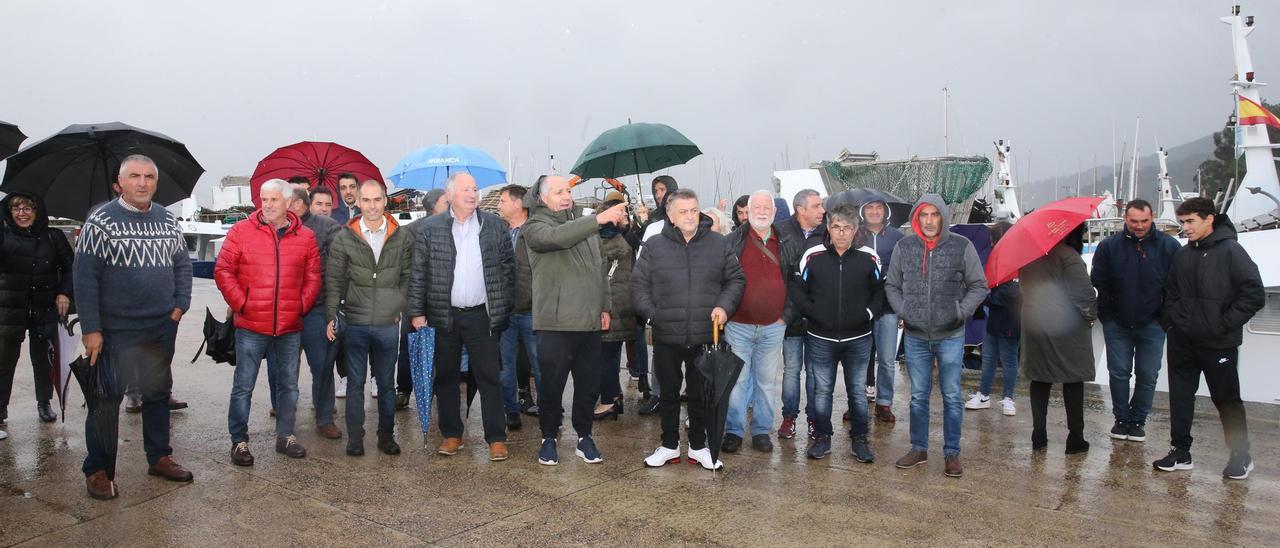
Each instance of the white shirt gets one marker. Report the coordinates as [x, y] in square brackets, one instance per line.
[375, 237]
[468, 265]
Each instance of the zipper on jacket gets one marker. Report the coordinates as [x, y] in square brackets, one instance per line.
[840, 292]
[275, 303]
[688, 310]
[928, 292]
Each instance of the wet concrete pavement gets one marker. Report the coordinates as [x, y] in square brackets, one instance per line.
[1008, 495]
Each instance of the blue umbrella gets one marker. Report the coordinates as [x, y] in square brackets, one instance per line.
[428, 168]
[422, 365]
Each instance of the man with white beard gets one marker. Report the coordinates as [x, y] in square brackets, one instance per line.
[769, 258]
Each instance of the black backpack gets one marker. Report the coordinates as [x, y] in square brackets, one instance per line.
[219, 339]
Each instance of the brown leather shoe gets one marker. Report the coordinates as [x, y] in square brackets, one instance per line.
[450, 446]
[100, 487]
[329, 431]
[497, 451]
[884, 413]
[167, 469]
[912, 459]
[175, 405]
[953, 468]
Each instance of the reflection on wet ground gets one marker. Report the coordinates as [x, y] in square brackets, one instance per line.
[1008, 495]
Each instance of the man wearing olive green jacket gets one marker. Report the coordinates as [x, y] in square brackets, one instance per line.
[570, 308]
[367, 276]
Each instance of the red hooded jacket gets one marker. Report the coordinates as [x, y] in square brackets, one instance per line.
[268, 280]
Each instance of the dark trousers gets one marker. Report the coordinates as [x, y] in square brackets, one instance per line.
[141, 360]
[470, 329]
[610, 386]
[524, 369]
[372, 346]
[404, 377]
[1073, 400]
[38, 349]
[561, 353]
[667, 362]
[1220, 367]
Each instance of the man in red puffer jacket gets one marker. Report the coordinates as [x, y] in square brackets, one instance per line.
[269, 273]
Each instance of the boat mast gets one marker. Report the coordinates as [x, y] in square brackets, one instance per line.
[1004, 191]
[1133, 166]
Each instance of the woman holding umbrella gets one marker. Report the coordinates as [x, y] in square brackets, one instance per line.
[1059, 307]
[35, 290]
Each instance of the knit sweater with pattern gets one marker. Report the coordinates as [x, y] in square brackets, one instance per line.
[131, 268]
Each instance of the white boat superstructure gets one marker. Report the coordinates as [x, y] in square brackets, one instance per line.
[1005, 206]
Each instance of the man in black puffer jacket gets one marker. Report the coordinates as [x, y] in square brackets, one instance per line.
[35, 290]
[696, 274]
[1212, 290]
[463, 285]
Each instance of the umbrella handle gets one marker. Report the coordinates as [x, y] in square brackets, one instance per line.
[715, 333]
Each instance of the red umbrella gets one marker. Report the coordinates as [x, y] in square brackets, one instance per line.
[1034, 235]
[321, 163]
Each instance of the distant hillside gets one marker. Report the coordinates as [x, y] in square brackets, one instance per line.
[1183, 161]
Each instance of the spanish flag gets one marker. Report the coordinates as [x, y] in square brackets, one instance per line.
[1252, 113]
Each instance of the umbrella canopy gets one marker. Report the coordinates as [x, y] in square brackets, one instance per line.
[634, 149]
[64, 350]
[428, 168]
[1035, 234]
[74, 169]
[422, 366]
[899, 209]
[720, 368]
[320, 162]
[10, 138]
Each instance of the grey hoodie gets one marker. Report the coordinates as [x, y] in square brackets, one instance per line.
[935, 286]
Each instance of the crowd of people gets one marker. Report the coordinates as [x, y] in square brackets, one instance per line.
[340, 280]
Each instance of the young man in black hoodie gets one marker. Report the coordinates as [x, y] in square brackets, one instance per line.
[1212, 290]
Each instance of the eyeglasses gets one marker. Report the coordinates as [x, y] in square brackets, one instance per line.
[24, 209]
[839, 228]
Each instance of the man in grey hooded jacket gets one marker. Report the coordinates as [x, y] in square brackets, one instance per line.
[935, 282]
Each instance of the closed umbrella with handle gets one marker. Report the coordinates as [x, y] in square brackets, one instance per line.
[720, 368]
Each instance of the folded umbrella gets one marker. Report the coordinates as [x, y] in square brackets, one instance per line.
[422, 366]
[430, 167]
[720, 368]
[1035, 234]
[320, 162]
[219, 339]
[74, 169]
[100, 384]
[63, 351]
[10, 138]
[899, 209]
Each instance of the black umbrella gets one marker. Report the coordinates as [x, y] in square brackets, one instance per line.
[219, 339]
[75, 168]
[720, 368]
[101, 384]
[10, 138]
[899, 209]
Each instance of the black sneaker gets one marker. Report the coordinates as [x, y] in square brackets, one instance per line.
[820, 448]
[387, 444]
[761, 443]
[1120, 431]
[649, 406]
[862, 450]
[1238, 467]
[290, 447]
[1177, 459]
[513, 421]
[731, 443]
[1137, 432]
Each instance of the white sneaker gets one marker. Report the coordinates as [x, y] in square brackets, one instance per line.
[978, 401]
[703, 457]
[340, 387]
[3, 434]
[871, 392]
[373, 389]
[1006, 407]
[662, 456]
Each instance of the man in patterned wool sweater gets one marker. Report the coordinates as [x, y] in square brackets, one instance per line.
[132, 283]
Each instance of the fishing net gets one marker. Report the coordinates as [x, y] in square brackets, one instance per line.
[955, 178]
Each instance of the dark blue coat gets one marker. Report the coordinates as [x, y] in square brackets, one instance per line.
[1129, 274]
[1004, 310]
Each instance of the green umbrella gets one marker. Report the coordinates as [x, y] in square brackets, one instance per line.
[634, 149]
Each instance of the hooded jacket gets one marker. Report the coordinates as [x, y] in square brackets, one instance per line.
[884, 241]
[570, 287]
[676, 284]
[935, 286]
[1129, 273]
[1213, 289]
[270, 281]
[35, 267]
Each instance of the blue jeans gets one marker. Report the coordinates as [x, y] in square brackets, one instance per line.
[950, 356]
[281, 352]
[760, 346]
[793, 361]
[1133, 351]
[885, 331]
[1000, 351]
[374, 345]
[519, 328]
[823, 355]
[316, 345]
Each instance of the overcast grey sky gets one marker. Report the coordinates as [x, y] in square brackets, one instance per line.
[745, 80]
